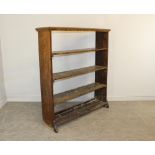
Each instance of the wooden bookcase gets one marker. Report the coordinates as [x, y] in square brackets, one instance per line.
[47, 77]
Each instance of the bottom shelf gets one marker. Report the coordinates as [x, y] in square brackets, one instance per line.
[76, 111]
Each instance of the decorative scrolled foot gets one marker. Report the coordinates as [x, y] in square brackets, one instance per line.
[106, 105]
[55, 128]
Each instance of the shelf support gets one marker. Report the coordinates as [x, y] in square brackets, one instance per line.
[101, 59]
[46, 77]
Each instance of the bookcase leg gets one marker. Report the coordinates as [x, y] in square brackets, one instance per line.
[101, 59]
[106, 105]
[46, 76]
[55, 127]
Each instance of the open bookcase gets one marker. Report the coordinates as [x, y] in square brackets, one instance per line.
[47, 77]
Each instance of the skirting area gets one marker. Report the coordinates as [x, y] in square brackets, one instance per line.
[122, 121]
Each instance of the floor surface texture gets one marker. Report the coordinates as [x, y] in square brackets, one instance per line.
[122, 121]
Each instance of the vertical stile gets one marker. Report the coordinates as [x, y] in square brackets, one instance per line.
[46, 81]
[101, 59]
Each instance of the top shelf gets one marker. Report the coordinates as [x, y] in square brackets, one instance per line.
[72, 29]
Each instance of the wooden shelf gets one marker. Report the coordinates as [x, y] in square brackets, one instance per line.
[72, 29]
[76, 72]
[65, 105]
[77, 51]
[74, 93]
[76, 111]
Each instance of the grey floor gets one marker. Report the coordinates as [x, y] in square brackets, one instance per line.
[122, 121]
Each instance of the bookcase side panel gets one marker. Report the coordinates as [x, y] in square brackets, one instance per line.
[101, 59]
[46, 77]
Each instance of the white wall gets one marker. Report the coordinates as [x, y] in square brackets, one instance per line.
[132, 57]
[131, 54]
[2, 89]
